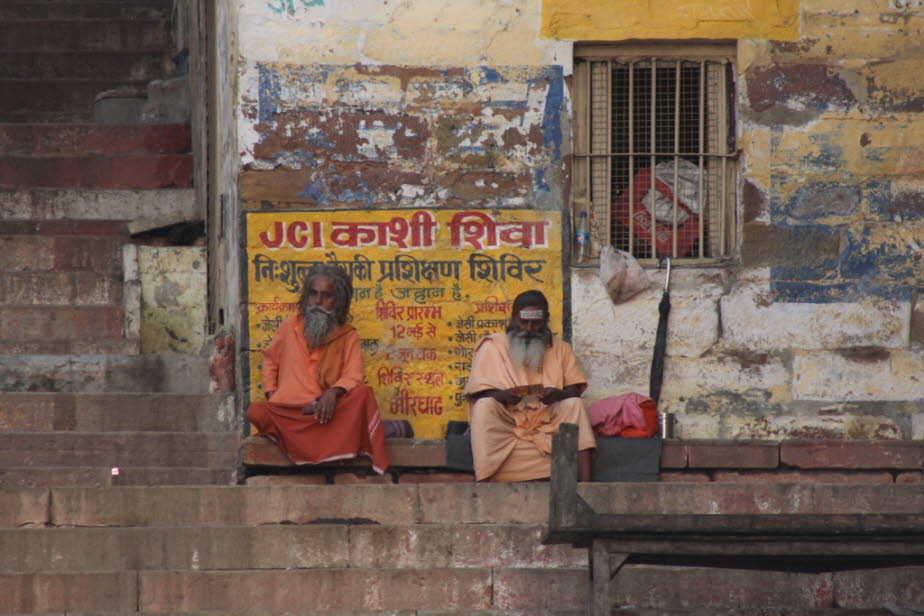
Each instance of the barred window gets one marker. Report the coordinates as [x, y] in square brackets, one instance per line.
[655, 157]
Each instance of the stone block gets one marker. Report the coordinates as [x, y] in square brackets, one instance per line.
[120, 172]
[545, 590]
[305, 479]
[861, 375]
[880, 253]
[733, 454]
[891, 455]
[338, 590]
[902, 587]
[803, 477]
[418, 478]
[680, 477]
[24, 507]
[673, 454]
[68, 592]
[754, 322]
[165, 205]
[648, 586]
[795, 253]
[26, 253]
[861, 499]
[917, 426]
[510, 547]
[410, 452]
[501, 503]
[55, 477]
[173, 294]
[350, 478]
[251, 505]
[262, 451]
[698, 497]
[910, 477]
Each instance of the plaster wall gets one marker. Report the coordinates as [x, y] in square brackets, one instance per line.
[813, 329]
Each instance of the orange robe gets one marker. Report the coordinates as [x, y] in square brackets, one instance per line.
[296, 377]
[515, 444]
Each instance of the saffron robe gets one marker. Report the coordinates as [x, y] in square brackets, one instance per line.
[515, 444]
[296, 377]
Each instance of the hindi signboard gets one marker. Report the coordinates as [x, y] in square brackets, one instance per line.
[427, 285]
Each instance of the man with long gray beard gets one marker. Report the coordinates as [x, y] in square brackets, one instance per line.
[318, 408]
[524, 383]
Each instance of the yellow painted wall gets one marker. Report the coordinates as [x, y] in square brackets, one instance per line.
[615, 20]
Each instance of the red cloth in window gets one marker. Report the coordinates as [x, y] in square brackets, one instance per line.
[687, 233]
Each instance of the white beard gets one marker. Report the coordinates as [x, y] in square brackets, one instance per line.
[528, 350]
[319, 323]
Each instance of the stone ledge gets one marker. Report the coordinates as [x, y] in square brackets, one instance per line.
[402, 453]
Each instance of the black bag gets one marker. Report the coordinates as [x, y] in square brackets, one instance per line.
[459, 447]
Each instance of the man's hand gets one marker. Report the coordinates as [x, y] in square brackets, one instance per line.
[506, 397]
[551, 395]
[325, 404]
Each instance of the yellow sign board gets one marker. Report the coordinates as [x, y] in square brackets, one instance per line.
[427, 285]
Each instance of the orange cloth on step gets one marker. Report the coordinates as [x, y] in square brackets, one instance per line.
[515, 444]
[296, 377]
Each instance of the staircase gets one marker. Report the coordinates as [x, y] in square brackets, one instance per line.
[80, 403]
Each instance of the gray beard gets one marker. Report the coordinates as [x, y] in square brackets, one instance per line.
[528, 349]
[318, 324]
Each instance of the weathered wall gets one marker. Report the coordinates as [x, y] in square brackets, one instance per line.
[812, 330]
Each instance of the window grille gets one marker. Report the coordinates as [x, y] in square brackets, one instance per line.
[654, 158]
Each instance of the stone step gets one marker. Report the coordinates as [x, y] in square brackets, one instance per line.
[54, 33]
[64, 346]
[123, 450]
[283, 546]
[30, 328]
[73, 288]
[59, 101]
[119, 171]
[56, 246]
[129, 66]
[76, 139]
[50, 204]
[103, 477]
[118, 412]
[181, 374]
[85, 9]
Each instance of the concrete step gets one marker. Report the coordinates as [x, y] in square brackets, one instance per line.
[103, 477]
[118, 412]
[58, 101]
[62, 246]
[74, 288]
[129, 66]
[119, 171]
[53, 33]
[181, 374]
[84, 139]
[124, 450]
[85, 9]
[49, 204]
[34, 327]
[279, 546]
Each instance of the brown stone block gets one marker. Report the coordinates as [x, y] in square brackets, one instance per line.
[673, 454]
[537, 589]
[417, 546]
[263, 451]
[910, 477]
[510, 546]
[350, 478]
[902, 587]
[513, 503]
[802, 477]
[807, 249]
[853, 454]
[302, 479]
[699, 498]
[60, 322]
[411, 452]
[322, 589]
[684, 477]
[733, 454]
[250, 505]
[24, 507]
[26, 253]
[649, 586]
[33, 288]
[68, 592]
[87, 253]
[848, 499]
[436, 478]
[137, 171]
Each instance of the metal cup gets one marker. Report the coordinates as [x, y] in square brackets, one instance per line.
[666, 422]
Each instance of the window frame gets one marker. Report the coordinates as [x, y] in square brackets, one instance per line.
[601, 234]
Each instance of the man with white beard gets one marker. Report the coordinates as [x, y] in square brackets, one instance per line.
[317, 407]
[524, 383]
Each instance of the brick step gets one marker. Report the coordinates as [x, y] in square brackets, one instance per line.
[283, 546]
[74, 288]
[56, 33]
[125, 450]
[73, 139]
[182, 374]
[52, 204]
[121, 172]
[86, 9]
[59, 101]
[130, 66]
[118, 412]
[392, 504]
[102, 477]
[28, 325]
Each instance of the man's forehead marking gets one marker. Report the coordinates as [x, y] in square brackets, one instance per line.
[532, 315]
